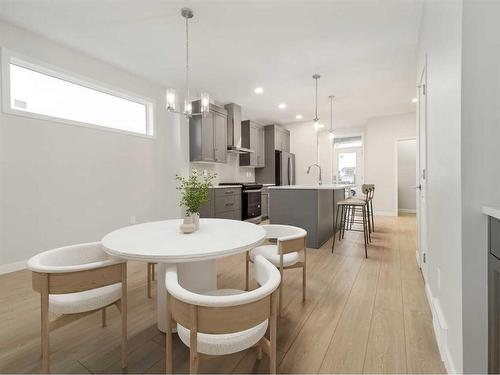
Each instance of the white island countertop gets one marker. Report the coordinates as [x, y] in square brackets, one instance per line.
[492, 211]
[311, 187]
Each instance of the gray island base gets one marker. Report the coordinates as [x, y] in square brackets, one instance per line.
[311, 207]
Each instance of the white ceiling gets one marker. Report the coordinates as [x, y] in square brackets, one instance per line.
[364, 50]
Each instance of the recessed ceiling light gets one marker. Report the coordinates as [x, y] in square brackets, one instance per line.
[258, 90]
[414, 100]
[298, 117]
[282, 106]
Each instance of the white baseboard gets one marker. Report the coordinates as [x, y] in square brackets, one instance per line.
[440, 331]
[407, 210]
[417, 256]
[11, 267]
[384, 213]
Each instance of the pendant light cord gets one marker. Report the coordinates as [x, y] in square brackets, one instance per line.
[316, 111]
[187, 60]
[331, 113]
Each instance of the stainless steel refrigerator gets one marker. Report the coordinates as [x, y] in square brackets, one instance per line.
[284, 168]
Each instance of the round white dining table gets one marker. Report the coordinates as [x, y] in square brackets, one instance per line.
[195, 253]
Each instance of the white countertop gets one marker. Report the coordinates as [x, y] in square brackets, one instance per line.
[492, 211]
[225, 186]
[311, 187]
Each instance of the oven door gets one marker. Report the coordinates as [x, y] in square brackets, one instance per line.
[252, 200]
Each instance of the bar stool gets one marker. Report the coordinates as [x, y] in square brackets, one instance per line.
[368, 193]
[347, 210]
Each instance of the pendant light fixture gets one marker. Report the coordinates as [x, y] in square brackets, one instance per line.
[330, 132]
[170, 97]
[317, 124]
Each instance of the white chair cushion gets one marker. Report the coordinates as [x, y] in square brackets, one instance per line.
[270, 252]
[88, 300]
[213, 344]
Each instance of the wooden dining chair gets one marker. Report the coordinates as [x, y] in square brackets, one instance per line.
[223, 321]
[75, 281]
[285, 254]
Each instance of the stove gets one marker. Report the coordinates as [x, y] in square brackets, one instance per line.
[250, 200]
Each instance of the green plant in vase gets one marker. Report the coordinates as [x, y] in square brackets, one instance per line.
[194, 193]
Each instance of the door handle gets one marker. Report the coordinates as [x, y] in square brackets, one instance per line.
[419, 187]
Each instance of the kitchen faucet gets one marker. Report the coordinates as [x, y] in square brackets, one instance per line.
[320, 182]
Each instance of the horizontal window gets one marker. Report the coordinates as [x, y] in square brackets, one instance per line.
[347, 142]
[36, 92]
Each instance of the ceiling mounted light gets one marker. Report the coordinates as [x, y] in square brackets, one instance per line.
[282, 106]
[170, 96]
[331, 135]
[298, 117]
[258, 90]
[317, 125]
[414, 100]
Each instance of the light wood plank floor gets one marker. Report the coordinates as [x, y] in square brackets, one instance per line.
[361, 315]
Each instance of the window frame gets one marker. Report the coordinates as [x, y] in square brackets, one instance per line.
[9, 57]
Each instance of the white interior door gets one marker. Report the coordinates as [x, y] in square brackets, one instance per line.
[422, 241]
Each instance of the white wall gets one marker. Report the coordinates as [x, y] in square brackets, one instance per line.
[379, 137]
[63, 184]
[480, 167]
[440, 40]
[380, 158]
[407, 173]
[311, 147]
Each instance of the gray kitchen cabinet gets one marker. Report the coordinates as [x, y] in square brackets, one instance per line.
[223, 203]
[220, 134]
[252, 137]
[208, 135]
[281, 139]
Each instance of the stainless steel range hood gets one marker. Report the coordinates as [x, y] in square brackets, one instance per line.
[234, 130]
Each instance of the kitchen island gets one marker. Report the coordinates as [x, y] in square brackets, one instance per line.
[311, 207]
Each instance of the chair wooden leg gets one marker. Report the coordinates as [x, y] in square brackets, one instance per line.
[44, 305]
[193, 342]
[103, 317]
[123, 311]
[153, 273]
[149, 280]
[273, 320]
[168, 338]
[259, 352]
[304, 277]
[247, 265]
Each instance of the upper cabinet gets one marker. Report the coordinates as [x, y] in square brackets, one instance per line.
[281, 139]
[252, 137]
[208, 135]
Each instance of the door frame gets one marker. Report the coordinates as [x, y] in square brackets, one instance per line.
[396, 178]
[422, 249]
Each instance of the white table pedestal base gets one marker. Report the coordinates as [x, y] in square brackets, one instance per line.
[197, 277]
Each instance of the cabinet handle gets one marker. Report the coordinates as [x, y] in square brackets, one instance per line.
[229, 192]
[229, 204]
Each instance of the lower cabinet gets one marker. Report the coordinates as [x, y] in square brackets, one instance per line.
[223, 203]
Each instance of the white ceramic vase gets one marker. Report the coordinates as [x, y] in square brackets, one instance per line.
[187, 225]
[196, 220]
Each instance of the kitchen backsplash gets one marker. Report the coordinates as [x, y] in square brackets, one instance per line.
[229, 172]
